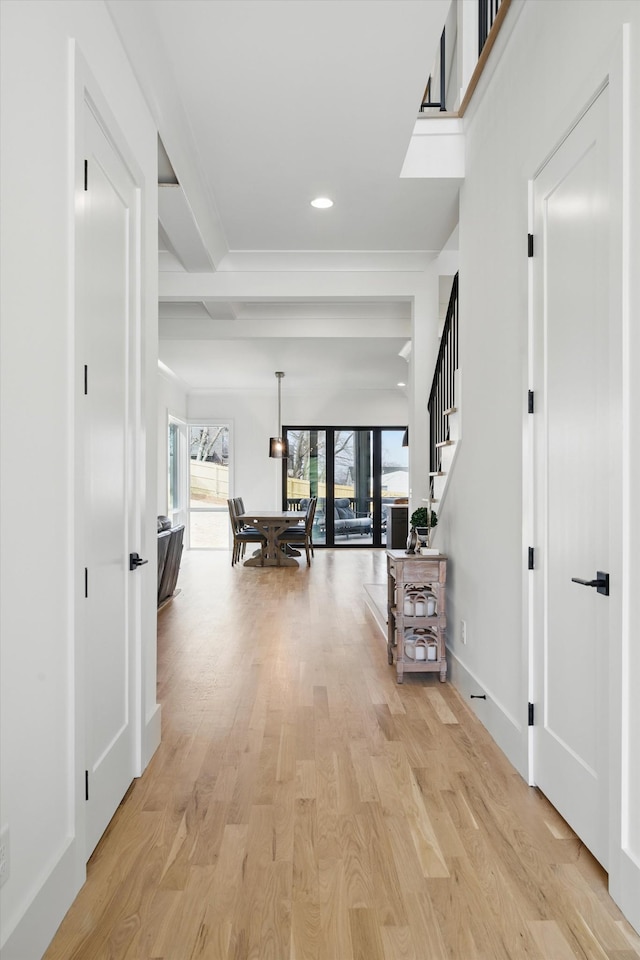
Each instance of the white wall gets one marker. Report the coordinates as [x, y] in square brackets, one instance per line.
[254, 418]
[555, 59]
[39, 798]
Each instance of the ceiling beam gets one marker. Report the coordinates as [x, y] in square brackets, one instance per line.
[292, 285]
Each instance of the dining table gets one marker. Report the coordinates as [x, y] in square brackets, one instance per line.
[271, 523]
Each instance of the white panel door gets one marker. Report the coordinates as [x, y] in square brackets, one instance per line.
[106, 319]
[571, 304]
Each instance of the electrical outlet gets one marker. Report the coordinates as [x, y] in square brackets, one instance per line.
[463, 631]
[4, 855]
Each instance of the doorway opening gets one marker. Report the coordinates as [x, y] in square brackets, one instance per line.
[208, 446]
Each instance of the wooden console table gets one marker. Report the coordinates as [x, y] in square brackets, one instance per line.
[416, 613]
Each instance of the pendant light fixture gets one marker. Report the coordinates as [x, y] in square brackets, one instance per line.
[278, 446]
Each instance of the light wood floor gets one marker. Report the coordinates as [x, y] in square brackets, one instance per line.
[303, 805]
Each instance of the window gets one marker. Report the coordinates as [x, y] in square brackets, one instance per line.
[176, 484]
[174, 467]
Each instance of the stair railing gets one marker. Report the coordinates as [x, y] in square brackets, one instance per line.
[487, 13]
[490, 13]
[426, 99]
[442, 398]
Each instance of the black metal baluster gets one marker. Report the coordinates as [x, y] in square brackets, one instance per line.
[487, 13]
[442, 394]
[442, 72]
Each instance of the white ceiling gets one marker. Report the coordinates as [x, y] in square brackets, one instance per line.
[262, 105]
[313, 364]
[320, 346]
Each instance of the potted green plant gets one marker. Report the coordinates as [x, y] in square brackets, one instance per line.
[423, 520]
[424, 517]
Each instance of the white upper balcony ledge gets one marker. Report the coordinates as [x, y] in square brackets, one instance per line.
[437, 149]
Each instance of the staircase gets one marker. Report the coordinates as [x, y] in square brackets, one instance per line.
[444, 414]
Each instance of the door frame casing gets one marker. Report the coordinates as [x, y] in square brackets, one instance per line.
[624, 719]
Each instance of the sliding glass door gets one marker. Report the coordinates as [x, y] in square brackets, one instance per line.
[305, 474]
[354, 471]
[353, 499]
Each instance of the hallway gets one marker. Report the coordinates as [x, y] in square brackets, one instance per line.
[303, 805]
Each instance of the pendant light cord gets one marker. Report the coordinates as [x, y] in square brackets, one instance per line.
[279, 375]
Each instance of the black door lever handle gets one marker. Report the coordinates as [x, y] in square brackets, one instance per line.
[135, 561]
[601, 583]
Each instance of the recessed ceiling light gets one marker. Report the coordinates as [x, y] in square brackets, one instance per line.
[402, 384]
[322, 203]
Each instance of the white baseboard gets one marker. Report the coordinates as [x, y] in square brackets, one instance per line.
[624, 888]
[42, 917]
[509, 734]
[152, 736]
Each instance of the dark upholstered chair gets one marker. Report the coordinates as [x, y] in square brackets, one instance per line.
[164, 536]
[347, 521]
[169, 555]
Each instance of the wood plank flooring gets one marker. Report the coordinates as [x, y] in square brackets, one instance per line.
[303, 806]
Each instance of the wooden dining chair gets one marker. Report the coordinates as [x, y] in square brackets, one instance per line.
[241, 535]
[302, 535]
